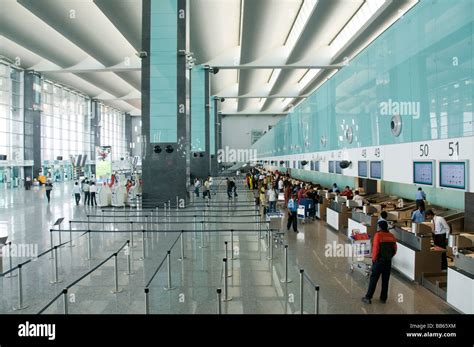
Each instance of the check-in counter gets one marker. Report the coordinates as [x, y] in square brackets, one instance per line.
[322, 206]
[414, 252]
[461, 280]
[365, 223]
[337, 215]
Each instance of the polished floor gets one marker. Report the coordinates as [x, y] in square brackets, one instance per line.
[254, 285]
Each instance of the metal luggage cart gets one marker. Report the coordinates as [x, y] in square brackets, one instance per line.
[361, 256]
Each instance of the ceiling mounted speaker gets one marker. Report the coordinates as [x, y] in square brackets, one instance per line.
[304, 162]
[281, 162]
[157, 149]
[349, 135]
[396, 125]
[169, 149]
[195, 154]
[345, 164]
[201, 155]
[323, 141]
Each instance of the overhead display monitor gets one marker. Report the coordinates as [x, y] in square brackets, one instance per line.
[338, 167]
[362, 169]
[331, 167]
[423, 172]
[452, 174]
[315, 165]
[376, 170]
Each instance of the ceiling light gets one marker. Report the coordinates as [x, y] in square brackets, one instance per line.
[362, 16]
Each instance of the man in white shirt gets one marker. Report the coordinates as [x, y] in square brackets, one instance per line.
[357, 198]
[440, 234]
[76, 191]
[280, 185]
[93, 192]
[271, 195]
[211, 185]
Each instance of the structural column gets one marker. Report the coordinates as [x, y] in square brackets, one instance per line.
[32, 114]
[165, 101]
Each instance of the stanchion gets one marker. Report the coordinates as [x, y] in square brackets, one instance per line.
[89, 247]
[270, 245]
[194, 226]
[164, 210]
[11, 274]
[219, 304]
[59, 232]
[177, 202]
[316, 299]
[226, 244]
[232, 245]
[51, 242]
[65, 301]
[169, 208]
[55, 280]
[203, 244]
[226, 289]
[147, 225]
[70, 235]
[20, 291]
[286, 280]
[129, 260]
[147, 301]
[143, 246]
[116, 290]
[301, 290]
[132, 245]
[182, 247]
[88, 221]
[168, 261]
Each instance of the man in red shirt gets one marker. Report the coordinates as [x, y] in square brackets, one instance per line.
[347, 192]
[384, 248]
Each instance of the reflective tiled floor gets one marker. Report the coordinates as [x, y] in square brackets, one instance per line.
[255, 283]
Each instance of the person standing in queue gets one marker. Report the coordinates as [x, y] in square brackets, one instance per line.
[420, 198]
[292, 213]
[384, 249]
[440, 234]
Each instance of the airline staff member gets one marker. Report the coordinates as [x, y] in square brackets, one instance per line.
[440, 234]
[420, 198]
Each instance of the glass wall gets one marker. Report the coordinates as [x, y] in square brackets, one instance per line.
[11, 113]
[65, 123]
[198, 107]
[420, 70]
[163, 72]
[112, 131]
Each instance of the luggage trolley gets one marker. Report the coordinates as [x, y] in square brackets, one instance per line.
[361, 256]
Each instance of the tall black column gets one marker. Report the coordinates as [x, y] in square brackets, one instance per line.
[165, 163]
[32, 114]
[128, 133]
[95, 127]
[214, 158]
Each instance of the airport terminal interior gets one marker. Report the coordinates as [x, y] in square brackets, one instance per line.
[237, 157]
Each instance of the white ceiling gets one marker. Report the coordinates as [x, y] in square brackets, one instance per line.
[87, 45]
[270, 53]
